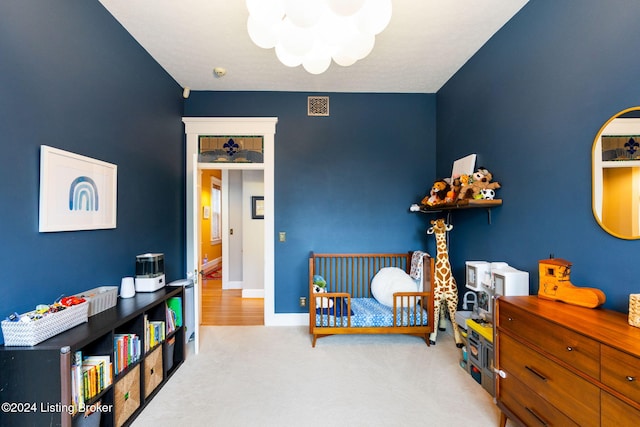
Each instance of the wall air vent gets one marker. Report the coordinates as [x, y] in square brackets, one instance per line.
[318, 106]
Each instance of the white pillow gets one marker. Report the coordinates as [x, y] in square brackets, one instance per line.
[389, 280]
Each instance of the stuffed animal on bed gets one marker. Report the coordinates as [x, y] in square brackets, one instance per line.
[319, 280]
[319, 287]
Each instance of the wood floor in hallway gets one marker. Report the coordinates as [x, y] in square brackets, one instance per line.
[226, 307]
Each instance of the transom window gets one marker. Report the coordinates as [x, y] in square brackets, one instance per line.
[230, 149]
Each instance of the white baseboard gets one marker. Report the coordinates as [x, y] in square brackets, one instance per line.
[233, 285]
[288, 319]
[253, 293]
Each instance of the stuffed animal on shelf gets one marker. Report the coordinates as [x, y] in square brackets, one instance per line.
[487, 194]
[438, 193]
[480, 180]
[456, 187]
[462, 184]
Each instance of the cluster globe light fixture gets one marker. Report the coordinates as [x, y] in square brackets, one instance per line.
[313, 32]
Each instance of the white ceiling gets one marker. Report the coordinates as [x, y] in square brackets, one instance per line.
[426, 42]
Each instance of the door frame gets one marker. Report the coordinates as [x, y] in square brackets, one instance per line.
[258, 126]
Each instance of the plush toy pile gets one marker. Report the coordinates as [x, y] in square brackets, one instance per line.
[477, 186]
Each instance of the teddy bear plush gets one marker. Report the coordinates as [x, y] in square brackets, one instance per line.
[438, 193]
[480, 180]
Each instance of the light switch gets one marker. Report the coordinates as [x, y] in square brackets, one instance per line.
[282, 236]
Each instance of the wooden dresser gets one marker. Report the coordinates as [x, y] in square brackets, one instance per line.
[563, 365]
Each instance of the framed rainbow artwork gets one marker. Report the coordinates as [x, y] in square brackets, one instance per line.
[76, 192]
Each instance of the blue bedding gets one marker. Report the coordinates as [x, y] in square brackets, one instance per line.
[367, 312]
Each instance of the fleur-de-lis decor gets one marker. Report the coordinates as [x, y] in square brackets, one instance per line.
[631, 146]
[231, 147]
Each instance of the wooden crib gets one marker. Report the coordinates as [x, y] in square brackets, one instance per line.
[355, 310]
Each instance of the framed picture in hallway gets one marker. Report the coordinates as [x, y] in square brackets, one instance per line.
[257, 207]
[76, 192]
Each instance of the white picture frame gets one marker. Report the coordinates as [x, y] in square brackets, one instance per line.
[76, 192]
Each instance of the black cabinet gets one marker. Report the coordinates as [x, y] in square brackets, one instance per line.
[37, 385]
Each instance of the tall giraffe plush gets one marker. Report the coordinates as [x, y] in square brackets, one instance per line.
[445, 287]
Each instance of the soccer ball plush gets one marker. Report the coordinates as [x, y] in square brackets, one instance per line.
[487, 193]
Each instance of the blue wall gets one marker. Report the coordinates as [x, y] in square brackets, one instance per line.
[530, 104]
[343, 183]
[71, 77]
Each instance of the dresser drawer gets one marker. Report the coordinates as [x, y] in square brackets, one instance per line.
[531, 409]
[576, 350]
[569, 393]
[616, 413]
[621, 371]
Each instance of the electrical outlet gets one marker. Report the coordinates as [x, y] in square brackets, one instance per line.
[303, 301]
[282, 236]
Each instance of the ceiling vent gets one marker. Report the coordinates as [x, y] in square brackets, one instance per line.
[318, 106]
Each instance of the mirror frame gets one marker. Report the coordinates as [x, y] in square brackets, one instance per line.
[597, 178]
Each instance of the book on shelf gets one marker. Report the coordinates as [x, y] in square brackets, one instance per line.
[89, 376]
[126, 350]
[155, 333]
[77, 389]
[175, 304]
[171, 319]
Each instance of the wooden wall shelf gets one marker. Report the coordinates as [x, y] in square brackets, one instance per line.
[462, 204]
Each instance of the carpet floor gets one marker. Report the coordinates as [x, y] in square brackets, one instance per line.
[271, 376]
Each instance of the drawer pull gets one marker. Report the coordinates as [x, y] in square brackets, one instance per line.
[536, 416]
[536, 373]
[569, 348]
[630, 378]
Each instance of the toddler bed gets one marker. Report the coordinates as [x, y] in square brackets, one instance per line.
[349, 307]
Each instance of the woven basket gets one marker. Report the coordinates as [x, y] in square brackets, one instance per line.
[34, 332]
[634, 310]
[100, 299]
[127, 396]
[153, 373]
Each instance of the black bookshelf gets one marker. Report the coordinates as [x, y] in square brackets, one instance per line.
[35, 382]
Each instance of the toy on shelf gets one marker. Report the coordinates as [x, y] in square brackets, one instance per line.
[460, 190]
[437, 194]
[555, 284]
[481, 180]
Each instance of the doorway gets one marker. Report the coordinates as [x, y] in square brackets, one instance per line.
[194, 127]
[230, 297]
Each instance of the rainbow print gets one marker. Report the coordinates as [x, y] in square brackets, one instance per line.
[83, 194]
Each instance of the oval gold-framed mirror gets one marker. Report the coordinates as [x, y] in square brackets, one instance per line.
[616, 175]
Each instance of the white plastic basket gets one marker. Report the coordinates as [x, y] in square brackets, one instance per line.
[34, 332]
[100, 299]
